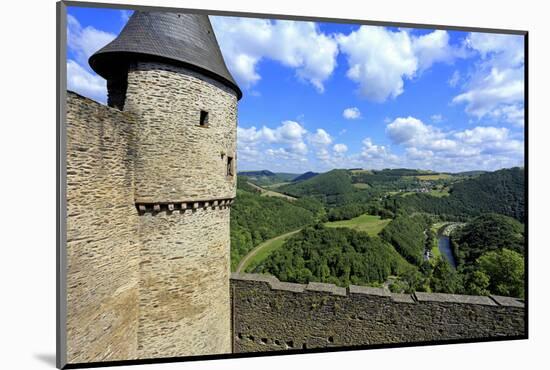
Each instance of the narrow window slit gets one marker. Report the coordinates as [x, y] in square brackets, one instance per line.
[230, 166]
[203, 118]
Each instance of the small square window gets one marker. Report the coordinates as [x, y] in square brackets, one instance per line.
[204, 118]
[229, 166]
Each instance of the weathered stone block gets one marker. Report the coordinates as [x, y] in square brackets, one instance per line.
[313, 316]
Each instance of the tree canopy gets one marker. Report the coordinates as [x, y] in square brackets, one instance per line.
[334, 255]
[485, 233]
[505, 269]
[408, 236]
[255, 218]
[501, 192]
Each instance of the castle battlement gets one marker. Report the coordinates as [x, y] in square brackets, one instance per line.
[352, 290]
[270, 315]
[184, 207]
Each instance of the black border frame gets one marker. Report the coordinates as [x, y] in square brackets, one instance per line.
[61, 263]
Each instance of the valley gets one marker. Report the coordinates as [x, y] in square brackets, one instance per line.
[403, 229]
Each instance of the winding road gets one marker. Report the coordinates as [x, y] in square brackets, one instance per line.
[259, 248]
[270, 193]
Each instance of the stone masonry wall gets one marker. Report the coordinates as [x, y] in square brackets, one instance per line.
[183, 192]
[269, 315]
[184, 285]
[148, 218]
[177, 159]
[102, 245]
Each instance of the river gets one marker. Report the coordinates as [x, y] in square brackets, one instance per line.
[444, 245]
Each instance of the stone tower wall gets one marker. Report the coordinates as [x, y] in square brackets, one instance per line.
[102, 224]
[177, 160]
[269, 315]
[184, 283]
[183, 192]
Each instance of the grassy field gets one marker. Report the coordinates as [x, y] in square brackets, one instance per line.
[369, 223]
[401, 193]
[361, 185]
[440, 193]
[277, 185]
[439, 176]
[436, 253]
[262, 251]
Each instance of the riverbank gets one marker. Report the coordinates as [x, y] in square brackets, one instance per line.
[442, 243]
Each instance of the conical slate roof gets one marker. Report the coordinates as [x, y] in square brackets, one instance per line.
[184, 39]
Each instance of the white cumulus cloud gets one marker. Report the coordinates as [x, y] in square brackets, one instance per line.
[411, 131]
[351, 113]
[320, 138]
[485, 147]
[380, 60]
[417, 154]
[287, 132]
[340, 148]
[455, 79]
[285, 141]
[300, 45]
[85, 83]
[496, 87]
[482, 134]
[83, 42]
[372, 150]
[433, 48]
[436, 118]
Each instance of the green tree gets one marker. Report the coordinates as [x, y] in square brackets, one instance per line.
[486, 233]
[406, 234]
[505, 269]
[255, 218]
[414, 280]
[501, 192]
[444, 278]
[336, 255]
[477, 283]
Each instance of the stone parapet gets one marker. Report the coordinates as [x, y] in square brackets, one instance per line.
[269, 315]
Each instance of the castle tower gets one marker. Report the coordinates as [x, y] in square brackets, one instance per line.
[166, 69]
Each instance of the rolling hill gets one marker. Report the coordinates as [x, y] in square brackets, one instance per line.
[265, 177]
[323, 186]
[502, 191]
[305, 176]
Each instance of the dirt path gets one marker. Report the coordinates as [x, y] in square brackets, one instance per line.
[253, 252]
[270, 193]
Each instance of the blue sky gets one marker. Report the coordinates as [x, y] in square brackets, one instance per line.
[319, 96]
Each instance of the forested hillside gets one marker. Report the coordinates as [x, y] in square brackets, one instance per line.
[265, 177]
[488, 241]
[408, 236]
[487, 233]
[255, 218]
[499, 192]
[305, 176]
[389, 179]
[323, 187]
[489, 250]
[334, 255]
